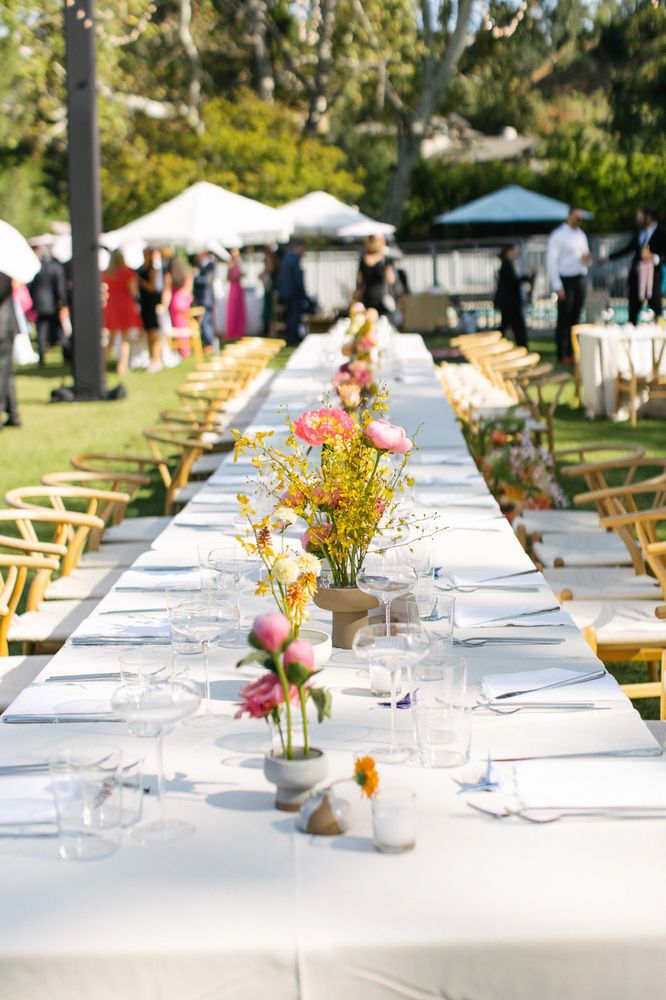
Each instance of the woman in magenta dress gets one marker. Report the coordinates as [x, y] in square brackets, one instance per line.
[181, 303]
[236, 322]
[121, 314]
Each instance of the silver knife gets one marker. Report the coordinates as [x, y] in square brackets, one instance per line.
[112, 675]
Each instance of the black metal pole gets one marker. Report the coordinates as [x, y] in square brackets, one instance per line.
[84, 198]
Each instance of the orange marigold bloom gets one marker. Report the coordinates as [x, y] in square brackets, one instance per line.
[366, 776]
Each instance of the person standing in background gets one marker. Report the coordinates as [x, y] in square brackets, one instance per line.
[376, 277]
[292, 291]
[8, 330]
[121, 315]
[567, 259]
[268, 278]
[151, 288]
[648, 246]
[49, 297]
[181, 303]
[236, 318]
[509, 295]
[204, 297]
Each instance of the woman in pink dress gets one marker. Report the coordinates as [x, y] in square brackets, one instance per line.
[181, 303]
[236, 322]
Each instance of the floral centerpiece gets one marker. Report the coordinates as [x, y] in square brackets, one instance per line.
[285, 688]
[355, 380]
[330, 475]
[519, 473]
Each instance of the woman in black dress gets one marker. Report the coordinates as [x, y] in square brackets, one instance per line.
[151, 294]
[376, 277]
[509, 295]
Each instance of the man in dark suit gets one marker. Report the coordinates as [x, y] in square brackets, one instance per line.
[647, 243]
[8, 330]
[291, 288]
[49, 300]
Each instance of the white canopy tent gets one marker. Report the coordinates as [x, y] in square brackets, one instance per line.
[17, 259]
[203, 214]
[321, 214]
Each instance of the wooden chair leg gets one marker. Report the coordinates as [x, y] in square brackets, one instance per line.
[662, 696]
[590, 636]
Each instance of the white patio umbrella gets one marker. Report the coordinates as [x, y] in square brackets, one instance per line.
[201, 214]
[17, 259]
[321, 214]
[358, 230]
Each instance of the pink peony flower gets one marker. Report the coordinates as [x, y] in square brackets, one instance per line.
[385, 436]
[299, 651]
[316, 427]
[327, 496]
[313, 538]
[271, 631]
[361, 372]
[292, 497]
[260, 697]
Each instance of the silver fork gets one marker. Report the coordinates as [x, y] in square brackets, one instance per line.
[517, 641]
[550, 814]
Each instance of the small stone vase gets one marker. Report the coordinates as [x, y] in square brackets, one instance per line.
[350, 607]
[295, 778]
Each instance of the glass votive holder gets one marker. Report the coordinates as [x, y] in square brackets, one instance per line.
[440, 713]
[394, 820]
[380, 681]
[130, 781]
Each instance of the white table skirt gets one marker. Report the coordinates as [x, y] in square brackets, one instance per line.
[603, 355]
[248, 908]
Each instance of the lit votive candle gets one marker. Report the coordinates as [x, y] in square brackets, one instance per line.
[380, 681]
[394, 820]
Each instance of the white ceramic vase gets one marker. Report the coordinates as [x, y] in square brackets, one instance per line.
[294, 779]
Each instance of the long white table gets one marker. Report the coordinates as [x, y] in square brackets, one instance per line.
[249, 908]
[605, 351]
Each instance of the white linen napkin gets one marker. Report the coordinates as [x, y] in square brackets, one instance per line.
[591, 783]
[433, 496]
[156, 579]
[222, 497]
[26, 799]
[123, 627]
[48, 700]
[534, 682]
[483, 607]
[206, 518]
[441, 475]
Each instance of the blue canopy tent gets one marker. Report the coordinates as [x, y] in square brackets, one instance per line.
[511, 204]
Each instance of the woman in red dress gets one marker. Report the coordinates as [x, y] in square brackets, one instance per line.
[121, 314]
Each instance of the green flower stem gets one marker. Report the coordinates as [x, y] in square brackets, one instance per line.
[306, 738]
[287, 703]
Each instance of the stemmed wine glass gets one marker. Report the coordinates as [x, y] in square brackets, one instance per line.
[386, 577]
[392, 647]
[200, 619]
[153, 710]
[224, 570]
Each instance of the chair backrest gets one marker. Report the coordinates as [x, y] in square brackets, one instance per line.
[119, 482]
[72, 528]
[108, 505]
[14, 569]
[184, 447]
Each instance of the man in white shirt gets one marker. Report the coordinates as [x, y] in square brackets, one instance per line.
[567, 259]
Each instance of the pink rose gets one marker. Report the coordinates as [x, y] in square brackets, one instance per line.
[299, 651]
[385, 436]
[316, 427]
[315, 537]
[292, 497]
[260, 697]
[271, 631]
[341, 377]
[327, 496]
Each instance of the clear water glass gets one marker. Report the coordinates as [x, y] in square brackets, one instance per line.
[201, 620]
[442, 717]
[160, 707]
[228, 571]
[86, 794]
[403, 647]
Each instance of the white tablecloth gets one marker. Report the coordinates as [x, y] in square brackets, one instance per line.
[248, 908]
[604, 353]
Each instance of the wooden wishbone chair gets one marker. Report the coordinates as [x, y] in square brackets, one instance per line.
[102, 503]
[122, 483]
[14, 568]
[169, 439]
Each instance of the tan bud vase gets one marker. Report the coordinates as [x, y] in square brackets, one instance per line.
[350, 607]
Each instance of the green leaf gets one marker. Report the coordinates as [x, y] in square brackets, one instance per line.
[323, 700]
[257, 656]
